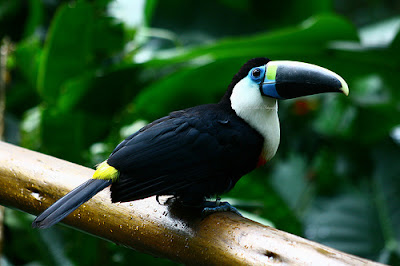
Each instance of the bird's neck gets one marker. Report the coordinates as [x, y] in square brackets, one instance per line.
[261, 113]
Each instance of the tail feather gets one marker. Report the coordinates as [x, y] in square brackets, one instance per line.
[70, 202]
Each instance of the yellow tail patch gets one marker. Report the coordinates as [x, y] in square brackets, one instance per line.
[106, 171]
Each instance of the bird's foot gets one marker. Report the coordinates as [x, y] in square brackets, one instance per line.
[218, 206]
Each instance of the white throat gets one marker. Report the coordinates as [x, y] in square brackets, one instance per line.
[259, 112]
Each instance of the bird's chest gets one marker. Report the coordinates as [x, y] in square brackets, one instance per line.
[259, 135]
[271, 142]
[266, 123]
[271, 134]
[261, 113]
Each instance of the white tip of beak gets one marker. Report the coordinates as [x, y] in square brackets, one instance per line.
[345, 87]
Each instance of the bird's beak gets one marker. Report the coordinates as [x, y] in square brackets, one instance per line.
[290, 79]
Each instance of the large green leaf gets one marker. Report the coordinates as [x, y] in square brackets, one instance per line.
[35, 17]
[387, 190]
[50, 130]
[365, 223]
[309, 38]
[76, 129]
[74, 90]
[348, 222]
[185, 88]
[68, 49]
[149, 7]
[380, 34]
[47, 246]
[293, 171]
[102, 94]
[22, 94]
[27, 55]
[108, 38]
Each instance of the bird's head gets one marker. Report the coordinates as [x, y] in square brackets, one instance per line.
[261, 78]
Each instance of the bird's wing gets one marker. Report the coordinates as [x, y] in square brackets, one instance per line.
[176, 152]
[125, 141]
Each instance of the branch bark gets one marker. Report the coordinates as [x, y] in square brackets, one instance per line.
[5, 48]
[31, 181]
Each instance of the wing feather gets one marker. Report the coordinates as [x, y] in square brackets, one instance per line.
[185, 149]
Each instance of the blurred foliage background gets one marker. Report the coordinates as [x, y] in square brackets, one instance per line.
[83, 75]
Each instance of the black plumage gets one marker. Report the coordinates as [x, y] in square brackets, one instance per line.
[192, 154]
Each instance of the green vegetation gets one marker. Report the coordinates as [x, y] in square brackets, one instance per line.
[85, 74]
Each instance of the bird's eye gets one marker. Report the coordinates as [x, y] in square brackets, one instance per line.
[256, 73]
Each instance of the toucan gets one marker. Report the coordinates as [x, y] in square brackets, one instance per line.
[199, 152]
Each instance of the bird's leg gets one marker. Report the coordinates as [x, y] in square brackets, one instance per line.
[201, 204]
[217, 201]
[218, 206]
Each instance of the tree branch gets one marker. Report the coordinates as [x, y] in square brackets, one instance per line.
[5, 49]
[31, 181]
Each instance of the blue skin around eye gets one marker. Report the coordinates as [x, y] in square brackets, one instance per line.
[259, 79]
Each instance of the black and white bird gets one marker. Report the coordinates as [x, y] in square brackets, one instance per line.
[203, 151]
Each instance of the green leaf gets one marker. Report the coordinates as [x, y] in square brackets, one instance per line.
[149, 8]
[336, 118]
[240, 5]
[49, 130]
[309, 38]
[193, 85]
[102, 94]
[67, 50]
[188, 87]
[55, 243]
[348, 222]
[22, 93]
[380, 34]
[35, 17]
[18, 224]
[387, 117]
[108, 37]
[370, 90]
[364, 223]
[76, 129]
[27, 55]
[324, 175]
[60, 129]
[292, 171]
[73, 90]
[387, 191]
[30, 128]
[395, 45]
